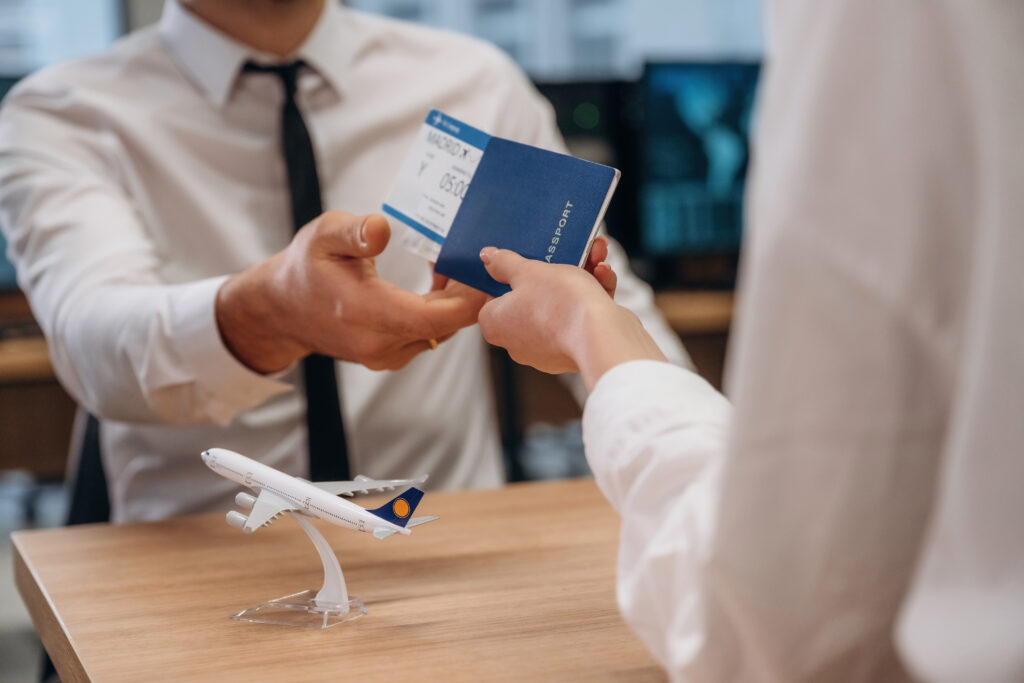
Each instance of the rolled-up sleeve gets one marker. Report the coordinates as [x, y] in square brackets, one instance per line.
[655, 436]
[126, 344]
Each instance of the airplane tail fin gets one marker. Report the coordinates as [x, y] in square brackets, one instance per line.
[400, 508]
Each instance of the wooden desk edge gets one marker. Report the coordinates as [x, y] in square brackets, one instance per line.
[25, 360]
[50, 629]
[696, 312]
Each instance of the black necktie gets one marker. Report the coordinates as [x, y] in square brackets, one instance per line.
[328, 452]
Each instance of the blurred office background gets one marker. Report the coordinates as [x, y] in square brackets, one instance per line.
[661, 89]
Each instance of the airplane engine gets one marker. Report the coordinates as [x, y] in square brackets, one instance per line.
[244, 500]
[235, 518]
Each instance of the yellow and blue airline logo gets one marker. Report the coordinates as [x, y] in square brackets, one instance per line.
[400, 508]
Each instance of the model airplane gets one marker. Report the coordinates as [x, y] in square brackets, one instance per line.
[280, 493]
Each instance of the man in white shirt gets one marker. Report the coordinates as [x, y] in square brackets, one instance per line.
[133, 183]
[855, 514]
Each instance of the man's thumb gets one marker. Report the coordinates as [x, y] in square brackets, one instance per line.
[503, 265]
[350, 235]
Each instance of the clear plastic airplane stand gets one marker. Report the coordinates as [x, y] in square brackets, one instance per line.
[329, 607]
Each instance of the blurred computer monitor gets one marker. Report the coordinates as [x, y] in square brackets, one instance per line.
[597, 120]
[7, 281]
[694, 152]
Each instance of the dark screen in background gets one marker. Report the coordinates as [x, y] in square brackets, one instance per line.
[7, 280]
[597, 120]
[694, 154]
[680, 136]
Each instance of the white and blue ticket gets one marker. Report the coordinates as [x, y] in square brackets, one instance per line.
[433, 181]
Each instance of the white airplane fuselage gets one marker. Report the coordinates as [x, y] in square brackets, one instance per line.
[305, 496]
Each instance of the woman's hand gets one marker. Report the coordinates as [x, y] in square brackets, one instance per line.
[560, 318]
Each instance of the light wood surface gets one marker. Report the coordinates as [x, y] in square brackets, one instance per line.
[510, 584]
[696, 312]
[24, 360]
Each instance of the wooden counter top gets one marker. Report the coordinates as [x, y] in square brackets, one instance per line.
[510, 584]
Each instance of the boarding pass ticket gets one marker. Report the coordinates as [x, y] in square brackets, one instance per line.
[433, 181]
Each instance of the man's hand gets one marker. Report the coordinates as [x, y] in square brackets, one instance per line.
[322, 294]
[597, 267]
[560, 318]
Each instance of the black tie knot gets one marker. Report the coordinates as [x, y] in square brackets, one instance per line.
[288, 73]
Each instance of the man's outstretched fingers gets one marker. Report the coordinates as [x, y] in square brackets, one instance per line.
[437, 282]
[404, 315]
[606, 277]
[403, 356]
[449, 314]
[598, 253]
[489, 313]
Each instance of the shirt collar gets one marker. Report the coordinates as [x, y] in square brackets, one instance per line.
[213, 59]
[329, 48]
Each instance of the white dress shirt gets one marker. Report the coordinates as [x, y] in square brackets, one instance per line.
[131, 183]
[858, 513]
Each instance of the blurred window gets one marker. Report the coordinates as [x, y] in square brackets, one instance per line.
[35, 33]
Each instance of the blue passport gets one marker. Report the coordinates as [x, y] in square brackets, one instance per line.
[540, 204]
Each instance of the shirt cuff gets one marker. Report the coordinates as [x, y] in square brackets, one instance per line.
[225, 387]
[647, 406]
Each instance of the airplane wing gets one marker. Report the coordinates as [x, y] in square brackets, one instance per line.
[266, 509]
[364, 484]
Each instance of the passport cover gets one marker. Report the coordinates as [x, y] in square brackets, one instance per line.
[540, 204]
